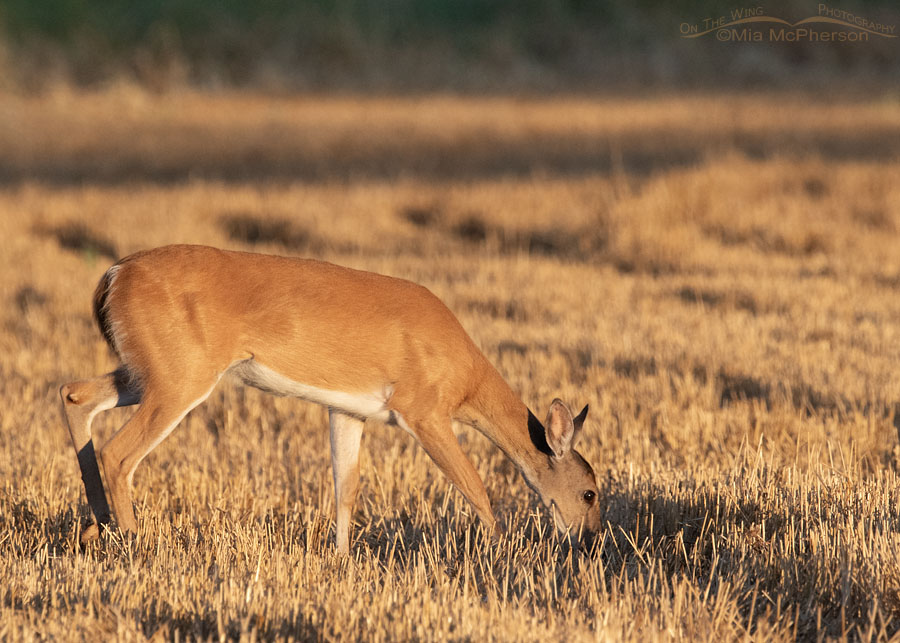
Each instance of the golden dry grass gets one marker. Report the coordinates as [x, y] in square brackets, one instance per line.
[717, 276]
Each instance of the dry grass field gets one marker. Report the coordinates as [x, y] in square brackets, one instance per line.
[717, 275]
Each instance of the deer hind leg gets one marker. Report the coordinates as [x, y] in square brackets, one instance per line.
[160, 412]
[82, 401]
[437, 438]
[346, 432]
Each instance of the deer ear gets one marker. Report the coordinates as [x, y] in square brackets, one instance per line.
[578, 421]
[560, 428]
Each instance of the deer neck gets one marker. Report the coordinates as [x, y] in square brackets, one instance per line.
[498, 413]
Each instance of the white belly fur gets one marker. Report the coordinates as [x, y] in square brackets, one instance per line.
[362, 405]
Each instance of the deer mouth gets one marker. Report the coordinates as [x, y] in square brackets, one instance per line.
[578, 535]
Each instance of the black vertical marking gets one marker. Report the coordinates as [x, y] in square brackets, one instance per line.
[93, 485]
[538, 434]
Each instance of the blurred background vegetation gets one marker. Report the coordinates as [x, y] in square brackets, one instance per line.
[419, 45]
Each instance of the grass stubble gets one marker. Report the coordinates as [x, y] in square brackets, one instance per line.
[717, 276]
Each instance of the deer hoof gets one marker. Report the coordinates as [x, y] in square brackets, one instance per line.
[90, 534]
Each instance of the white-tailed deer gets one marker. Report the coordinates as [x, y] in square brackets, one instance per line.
[362, 344]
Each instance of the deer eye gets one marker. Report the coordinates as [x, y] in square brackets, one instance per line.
[589, 497]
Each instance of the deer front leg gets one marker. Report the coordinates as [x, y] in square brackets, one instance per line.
[437, 438]
[346, 432]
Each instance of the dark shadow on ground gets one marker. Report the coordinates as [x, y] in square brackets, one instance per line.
[475, 156]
